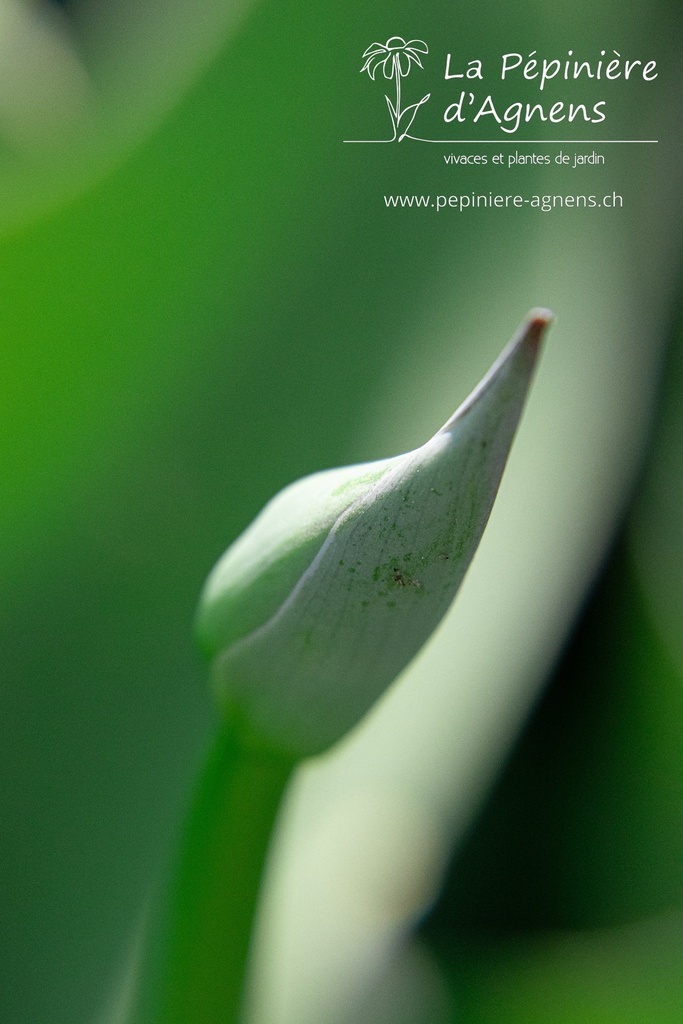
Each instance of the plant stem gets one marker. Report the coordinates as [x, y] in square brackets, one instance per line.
[397, 71]
[203, 953]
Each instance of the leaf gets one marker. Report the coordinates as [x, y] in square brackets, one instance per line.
[392, 115]
[414, 107]
[330, 593]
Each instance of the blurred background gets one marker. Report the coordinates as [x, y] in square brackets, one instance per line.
[205, 297]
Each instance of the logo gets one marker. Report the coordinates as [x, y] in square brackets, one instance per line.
[396, 57]
[500, 96]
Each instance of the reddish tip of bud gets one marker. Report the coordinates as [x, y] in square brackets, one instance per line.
[539, 320]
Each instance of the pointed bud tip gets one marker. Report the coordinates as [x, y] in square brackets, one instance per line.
[537, 322]
[525, 346]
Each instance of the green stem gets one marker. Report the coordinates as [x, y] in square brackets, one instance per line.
[203, 952]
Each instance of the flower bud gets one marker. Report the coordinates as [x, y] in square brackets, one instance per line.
[328, 595]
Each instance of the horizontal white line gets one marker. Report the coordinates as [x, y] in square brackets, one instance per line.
[518, 142]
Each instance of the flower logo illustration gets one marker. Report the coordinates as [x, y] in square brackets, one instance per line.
[396, 58]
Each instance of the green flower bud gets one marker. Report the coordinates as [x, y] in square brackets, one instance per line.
[341, 579]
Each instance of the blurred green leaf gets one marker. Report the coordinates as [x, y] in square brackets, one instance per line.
[583, 828]
[580, 835]
[620, 976]
[656, 527]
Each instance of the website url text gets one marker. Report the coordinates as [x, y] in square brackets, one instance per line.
[490, 200]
